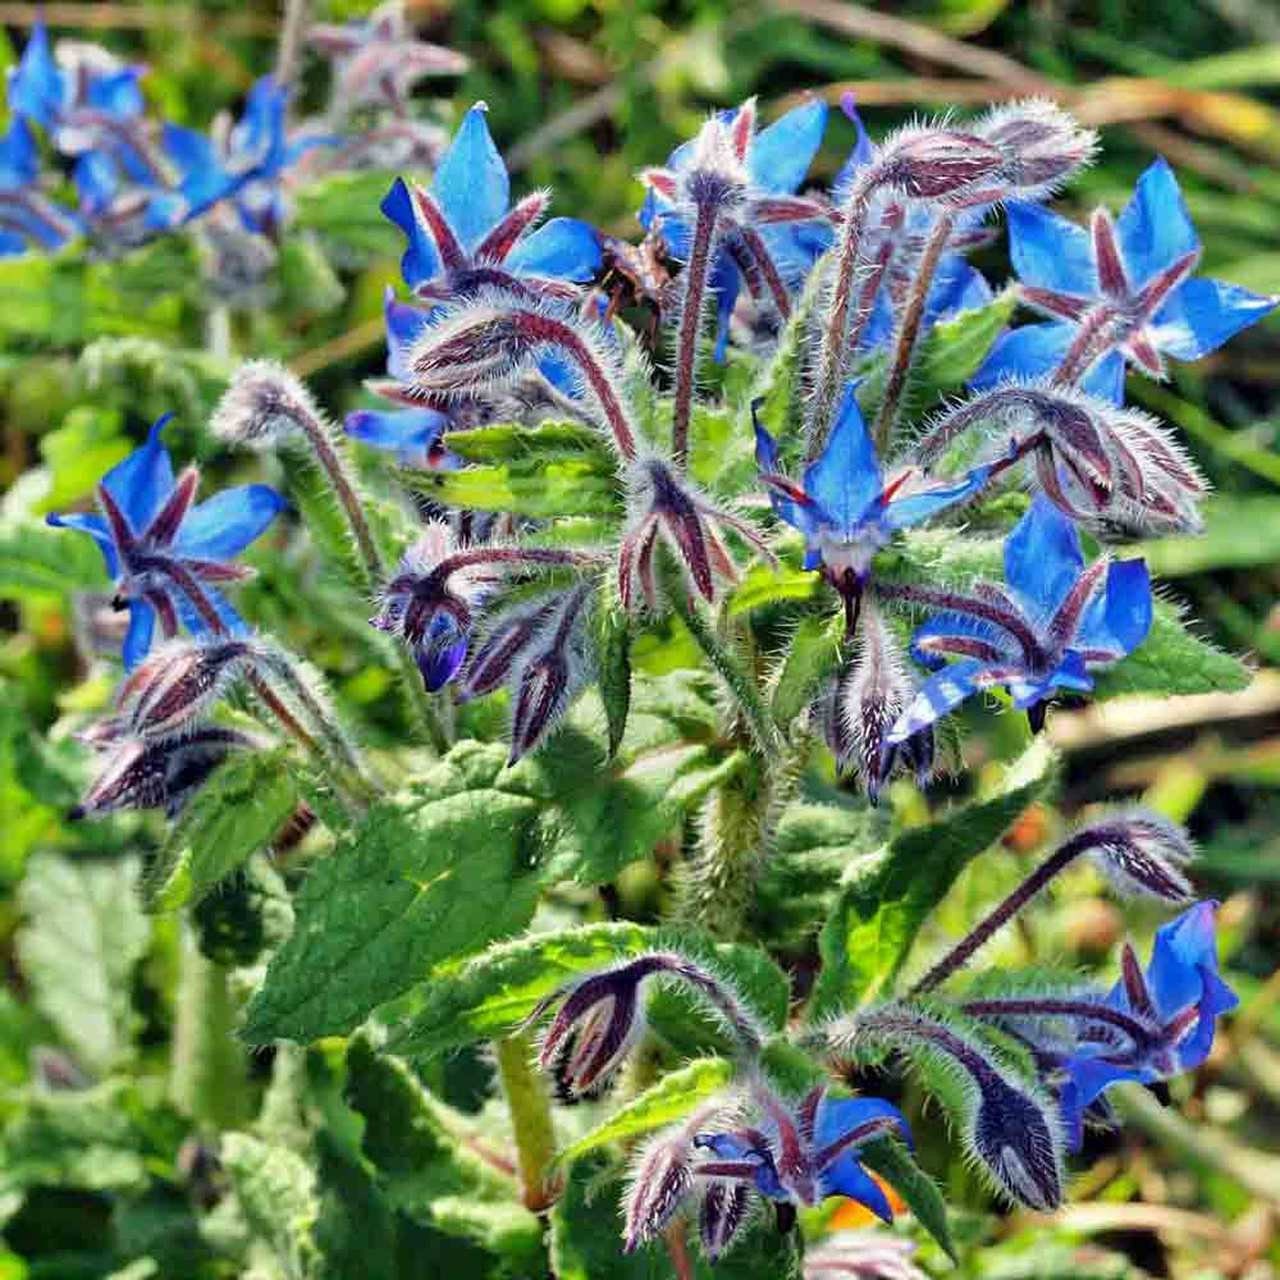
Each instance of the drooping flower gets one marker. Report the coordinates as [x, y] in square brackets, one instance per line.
[1054, 621]
[846, 509]
[166, 553]
[1118, 292]
[463, 233]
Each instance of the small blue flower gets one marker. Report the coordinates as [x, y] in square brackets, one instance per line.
[845, 509]
[166, 553]
[37, 87]
[802, 1157]
[463, 234]
[1128, 283]
[1056, 620]
[27, 217]
[1176, 1003]
[777, 161]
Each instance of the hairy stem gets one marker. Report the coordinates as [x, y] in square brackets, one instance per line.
[982, 933]
[696, 273]
[763, 262]
[526, 1093]
[1050, 1007]
[908, 335]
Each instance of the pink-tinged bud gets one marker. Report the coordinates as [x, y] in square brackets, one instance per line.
[937, 164]
[868, 1255]
[477, 347]
[159, 774]
[1042, 147]
[1142, 853]
[264, 405]
[723, 1211]
[505, 639]
[663, 1177]
[550, 675]
[178, 683]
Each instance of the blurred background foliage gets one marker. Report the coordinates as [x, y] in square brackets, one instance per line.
[582, 93]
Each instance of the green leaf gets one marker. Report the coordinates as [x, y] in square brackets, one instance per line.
[342, 210]
[514, 443]
[38, 560]
[762, 585]
[813, 653]
[886, 897]
[672, 1098]
[613, 671]
[85, 930]
[1239, 532]
[415, 885]
[276, 1192]
[578, 485]
[239, 810]
[308, 284]
[891, 1160]
[1172, 661]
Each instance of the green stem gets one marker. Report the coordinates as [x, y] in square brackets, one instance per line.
[208, 1077]
[530, 1106]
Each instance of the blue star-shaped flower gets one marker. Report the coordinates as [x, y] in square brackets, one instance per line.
[165, 552]
[463, 234]
[26, 217]
[1176, 1004]
[1117, 291]
[1056, 620]
[777, 160]
[845, 508]
[803, 1157]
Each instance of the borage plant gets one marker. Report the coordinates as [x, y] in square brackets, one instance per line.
[675, 632]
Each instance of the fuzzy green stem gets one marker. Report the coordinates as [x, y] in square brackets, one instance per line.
[208, 1077]
[530, 1105]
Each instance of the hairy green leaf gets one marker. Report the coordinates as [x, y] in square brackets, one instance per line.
[891, 1160]
[813, 652]
[276, 1192]
[514, 443]
[1171, 660]
[579, 485]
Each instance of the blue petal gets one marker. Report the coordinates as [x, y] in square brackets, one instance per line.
[956, 287]
[942, 693]
[1050, 252]
[142, 482]
[137, 640]
[203, 181]
[902, 513]
[37, 87]
[859, 157]
[19, 159]
[1119, 617]
[411, 431]
[1201, 314]
[221, 527]
[232, 622]
[1024, 354]
[837, 1116]
[845, 478]
[563, 248]
[726, 284]
[95, 526]
[780, 155]
[1091, 1076]
[97, 182]
[257, 142]
[728, 1146]
[1154, 229]
[1105, 378]
[117, 93]
[1182, 948]
[471, 180]
[960, 624]
[1042, 556]
[439, 666]
[420, 262]
[1070, 674]
[847, 1177]
[881, 323]
[404, 324]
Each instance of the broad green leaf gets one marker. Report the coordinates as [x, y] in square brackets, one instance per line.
[342, 210]
[107, 1137]
[813, 653]
[1171, 660]
[309, 286]
[1239, 532]
[763, 585]
[356, 1231]
[514, 443]
[672, 1098]
[886, 896]
[579, 485]
[416, 884]
[84, 932]
[276, 1191]
[239, 810]
[38, 560]
[891, 1160]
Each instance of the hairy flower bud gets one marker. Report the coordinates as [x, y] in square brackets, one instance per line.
[937, 163]
[660, 1181]
[1041, 144]
[178, 683]
[1141, 852]
[264, 405]
[1014, 1134]
[722, 1212]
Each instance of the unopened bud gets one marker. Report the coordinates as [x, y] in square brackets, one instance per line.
[479, 346]
[178, 683]
[264, 405]
[938, 164]
[662, 1179]
[1015, 1137]
[1142, 853]
[1042, 146]
[723, 1211]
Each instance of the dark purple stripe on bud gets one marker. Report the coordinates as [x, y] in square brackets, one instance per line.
[662, 1180]
[1142, 853]
[723, 1211]
[934, 164]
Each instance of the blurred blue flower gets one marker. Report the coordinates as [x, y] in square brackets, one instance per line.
[777, 160]
[1175, 1007]
[845, 508]
[1117, 291]
[165, 552]
[463, 234]
[1054, 620]
[27, 217]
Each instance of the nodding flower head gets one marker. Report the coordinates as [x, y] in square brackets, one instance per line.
[1041, 147]
[601, 1017]
[177, 684]
[845, 508]
[664, 505]
[264, 405]
[463, 235]
[158, 773]
[863, 703]
[1054, 621]
[167, 553]
[1142, 853]
[712, 172]
[1119, 291]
